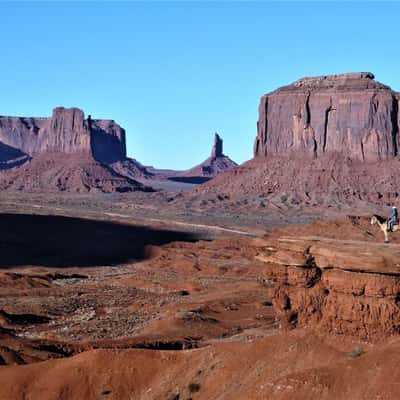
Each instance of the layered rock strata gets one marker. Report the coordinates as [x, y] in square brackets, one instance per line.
[349, 113]
[342, 287]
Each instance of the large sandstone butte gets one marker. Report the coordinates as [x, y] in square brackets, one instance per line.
[326, 141]
[65, 152]
[66, 131]
[349, 113]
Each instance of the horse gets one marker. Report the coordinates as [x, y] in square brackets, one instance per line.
[382, 223]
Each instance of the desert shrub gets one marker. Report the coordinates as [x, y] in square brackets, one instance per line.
[356, 352]
[193, 387]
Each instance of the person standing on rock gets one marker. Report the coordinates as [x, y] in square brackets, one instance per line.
[394, 217]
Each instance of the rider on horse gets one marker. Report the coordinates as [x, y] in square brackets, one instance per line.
[394, 218]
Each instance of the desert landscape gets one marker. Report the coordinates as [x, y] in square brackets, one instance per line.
[264, 280]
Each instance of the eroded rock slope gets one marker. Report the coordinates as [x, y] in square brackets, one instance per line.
[336, 286]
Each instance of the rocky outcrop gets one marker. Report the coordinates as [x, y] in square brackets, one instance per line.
[172, 180]
[212, 166]
[350, 113]
[66, 131]
[337, 286]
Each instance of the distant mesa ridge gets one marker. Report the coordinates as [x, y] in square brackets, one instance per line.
[352, 114]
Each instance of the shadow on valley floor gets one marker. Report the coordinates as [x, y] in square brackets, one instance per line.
[10, 157]
[190, 179]
[55, 241]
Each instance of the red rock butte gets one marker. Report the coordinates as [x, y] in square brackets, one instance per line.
[66, 131]
[349, 113]
[66, 152]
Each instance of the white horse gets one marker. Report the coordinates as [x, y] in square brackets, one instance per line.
[382, 223]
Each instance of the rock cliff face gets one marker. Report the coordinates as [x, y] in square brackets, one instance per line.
[108, 141]
[350, 113]
[337, 286]
[67, 131]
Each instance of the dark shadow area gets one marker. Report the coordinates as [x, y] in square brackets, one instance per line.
[106, 148]
[190, 179]
[55, 241]
[10, 157]
[24, 319]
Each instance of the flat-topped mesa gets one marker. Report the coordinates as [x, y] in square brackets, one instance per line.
[217, 148]
[348, 113]
[66, 131]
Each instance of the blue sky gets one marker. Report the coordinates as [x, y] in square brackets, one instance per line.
[174, 73]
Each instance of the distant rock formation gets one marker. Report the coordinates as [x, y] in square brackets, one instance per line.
[66, 152]
[210, 168]
[349, 113]
[66, 131]
[323, 141]
[93, 145]
[217, 148]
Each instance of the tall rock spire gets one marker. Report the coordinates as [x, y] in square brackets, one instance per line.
[217, 148]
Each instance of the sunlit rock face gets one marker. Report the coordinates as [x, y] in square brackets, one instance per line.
[344, 287]
[349, 113]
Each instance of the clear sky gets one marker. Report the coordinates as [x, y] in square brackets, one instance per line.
[174, 73]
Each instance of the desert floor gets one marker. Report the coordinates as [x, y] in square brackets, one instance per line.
[149, 297]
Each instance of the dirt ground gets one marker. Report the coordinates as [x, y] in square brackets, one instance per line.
[123, 298]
